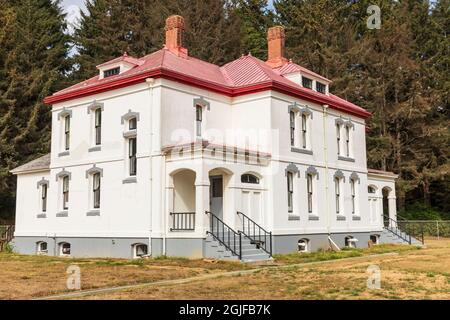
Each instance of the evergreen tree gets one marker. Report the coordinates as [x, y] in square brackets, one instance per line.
[33, 56]
[256, 18]
[110, 28]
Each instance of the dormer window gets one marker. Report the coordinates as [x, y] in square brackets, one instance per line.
[111, 72]
[307, 83]
[320, 87]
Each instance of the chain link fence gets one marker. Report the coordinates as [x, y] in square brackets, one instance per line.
[429, 228]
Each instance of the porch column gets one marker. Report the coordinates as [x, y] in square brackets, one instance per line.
[201, 205]
[169, 201]
[392, 204]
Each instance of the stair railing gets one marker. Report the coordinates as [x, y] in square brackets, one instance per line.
[225, 235]
[394, 228]
[257, 234]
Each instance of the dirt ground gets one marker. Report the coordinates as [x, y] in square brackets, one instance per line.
[410, 274]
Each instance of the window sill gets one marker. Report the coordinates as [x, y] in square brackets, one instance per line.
[293, 217]
[129, 180]
[341, 218]
[313, 217]
[356, 218]
[95, 149]
[346, 159]
[299, 150]
[41, 216]
[93, 213]
[130, 134]
[64, 154]
[62, 214]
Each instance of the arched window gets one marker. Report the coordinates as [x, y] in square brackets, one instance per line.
[41, 248]
[303, 245]
[372, 190]
[350, 242]
[140, 250]
[64, 249]
[249, 178]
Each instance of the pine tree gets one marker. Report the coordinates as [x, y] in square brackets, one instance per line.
[256, 18]
[33, 63]
[110, 28]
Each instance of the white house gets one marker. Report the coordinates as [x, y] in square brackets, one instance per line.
[171, 155]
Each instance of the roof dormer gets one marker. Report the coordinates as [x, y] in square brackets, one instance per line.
[117, 66]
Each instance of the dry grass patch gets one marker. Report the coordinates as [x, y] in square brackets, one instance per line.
[24, 277]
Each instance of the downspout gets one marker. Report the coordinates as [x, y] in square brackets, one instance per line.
[325, 149]
[150, 82]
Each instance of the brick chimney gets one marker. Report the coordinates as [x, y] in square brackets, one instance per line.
[175, 35]
[275, 39]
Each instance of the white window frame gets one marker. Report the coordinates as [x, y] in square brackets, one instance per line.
[132, 157]
[338, 196]
[66, 132]
[292, 127]
[65, 181]
[348, 141]
[339, 139]
[354, 192]
[310, 194]
[199, 121]
[43, 200]
[94, 189]
[290, 191]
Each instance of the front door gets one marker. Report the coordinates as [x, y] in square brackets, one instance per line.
[216, 196]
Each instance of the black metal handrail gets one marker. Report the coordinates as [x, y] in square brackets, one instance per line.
[413, 228]
[394, 228]
[183, 221]
[257, 234]
[225, 235]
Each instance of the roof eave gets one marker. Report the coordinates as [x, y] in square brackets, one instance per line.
[218, 88]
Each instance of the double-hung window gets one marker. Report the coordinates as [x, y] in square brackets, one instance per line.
[44, 188]
[309, 182]
[198, 120]
[304, 130]
[67, 132]
[353, 195]
[290, 191]
[65, 193]
[98, 126]
[132, 160]
[347, 141]
[338, 139]
[96, 183]
[292, 127]
[337, 188]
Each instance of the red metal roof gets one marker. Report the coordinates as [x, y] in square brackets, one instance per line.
[242, 76]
